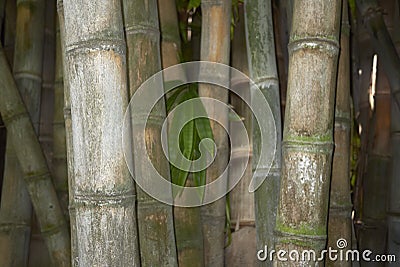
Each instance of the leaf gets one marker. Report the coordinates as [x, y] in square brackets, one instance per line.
[186, 143]
[172, 99]
[193, 4]
[176, 176]
[199, 179]
[228, 221]
[187, 140]
[172, 84]
[183, 31]
[203, 129]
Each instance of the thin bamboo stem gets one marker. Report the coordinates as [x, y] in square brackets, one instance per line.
[263, 71]
[215, 47]
[188, 232]
[155, 219]
[340, 206]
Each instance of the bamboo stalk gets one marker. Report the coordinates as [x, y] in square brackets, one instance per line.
[241, 201]
[156, 240]
[374, 229]
[15, 223]
[102, 198]
[307, 139]
[170, 39]
[3, 131]
[27, 69]
[60, 172]
[281, 21]
[67, 119]
[372, 16]
[263, 71]
[2, 13]
[363, 114]
[34, 168]
[393, 208]
[10, 21]
[242, 213]
[188, 232]
[215, 47]
[3, 134]
[48, 63]
[66, 95]
[340, 206]
[38, 254]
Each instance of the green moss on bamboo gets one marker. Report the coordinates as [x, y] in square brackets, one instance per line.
[302, 229]
[309, 139]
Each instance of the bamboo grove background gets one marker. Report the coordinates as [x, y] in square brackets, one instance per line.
[328, 69]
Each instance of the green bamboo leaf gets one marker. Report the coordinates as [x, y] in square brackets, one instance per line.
[177, 176]
[193, 4]
[203, 129]
[186, 142]
[173, 99]
[203, 126]
[199, 179]
[173, 83]
[183, 31]
[228, 221]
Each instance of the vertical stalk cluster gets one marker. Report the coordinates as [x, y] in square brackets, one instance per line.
[372, 16]
[155, 219]
[34, 168]
[383, 44]
[66, 104]
[59, 161]
[363, 112]
[2, 126]
[27, 69]
[307, 139]
[9, 29]
[263, 71]
[215, 47]
[241, 201]
[187, 222]
[170, 39]
[340, 206]
[393, 208]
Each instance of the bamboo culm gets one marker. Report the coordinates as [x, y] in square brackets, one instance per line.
[340, 206]
[308, 129]
[155, 219]
[263, 71]
[215, 47]
[102, 197]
